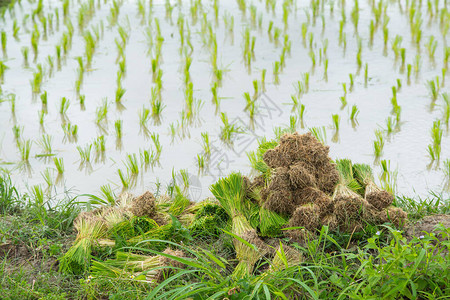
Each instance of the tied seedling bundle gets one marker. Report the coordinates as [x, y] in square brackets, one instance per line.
[131, 220]
[230, 192]
[300, 183]
[138, 267]
[378, 198]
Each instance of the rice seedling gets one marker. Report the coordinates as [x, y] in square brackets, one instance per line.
[100, 147]
[388, 178]
[366, 74]
[341, 31]
[227, 130]
[3, 42]
[431, 153]
[46, 144]
[371, 32]
[255, 89]
[147, 157]
[390, 123]
[394, 97]
[41, 115]
[17, 132]
[158, 146]
[85, 153]
[354, 113]
[200, 162]
[306, 81]
[120, 92]
[102, 113]
[446, 98]
[295, 101]
[417, 63]
[215, 98]
[378, 144]
[206, 144]
[433, 88]
[36, 83]
[64, 105]
[325, 70]
[444, 72]
[352, 81]
[35, 35]
[396, 44]
[15, 30]
[312, 56]
[293, 120]
[51, 64]
[156, 104]
[358, 56]
[385, 36]
[118, 129]
[25, 51]
[131, 162]
[408, 73]
[320, 133]
[185, 178]
[311, 40]
[431, 47]
[47, 178]
[12, 99]
[343, 100]
[446, 56]
[24, 149]
[434, 149]
[263, 79]
[82, 99]
[70, 132]
[3, 68]
[58, 55]
[276, 72]
[301, 113]
[446, 168]
[59, 164]
[399, 84]
[250, 107]
[144, 116]
[124, 179]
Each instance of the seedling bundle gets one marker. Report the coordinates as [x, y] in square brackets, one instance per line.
[298, 191]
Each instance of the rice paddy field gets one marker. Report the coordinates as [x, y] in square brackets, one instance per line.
[131, 94]
[248, 149]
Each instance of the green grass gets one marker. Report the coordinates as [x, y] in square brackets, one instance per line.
[419, 207]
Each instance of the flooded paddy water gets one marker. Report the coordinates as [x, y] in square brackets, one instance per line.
[134, 94]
